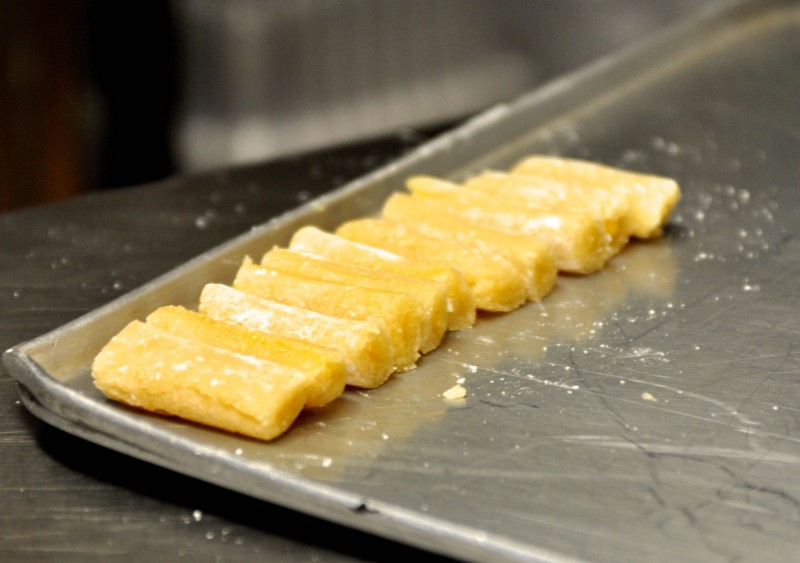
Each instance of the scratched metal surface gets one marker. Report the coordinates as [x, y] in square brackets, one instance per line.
[650, 410]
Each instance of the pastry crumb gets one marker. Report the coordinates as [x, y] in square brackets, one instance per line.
[455, 392]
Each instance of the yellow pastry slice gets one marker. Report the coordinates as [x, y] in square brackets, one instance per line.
[325, 367]
[146, 367]
[579, 240]
[652, 198]
[614, 208]
[460, 300]
[429, 296]
[364, 344]
[497, 285]
[531, 256]
[397, 313]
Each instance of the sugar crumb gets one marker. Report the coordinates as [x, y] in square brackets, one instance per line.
[455, 392]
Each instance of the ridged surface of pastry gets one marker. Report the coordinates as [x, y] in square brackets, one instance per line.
[460, 300]
[652, 198]
[579, 240]
[612, 207]
[429, 295]
[324, 367]
[397, 313]
[365, 344]
[530, 255]
[149, 368]
[497, 285]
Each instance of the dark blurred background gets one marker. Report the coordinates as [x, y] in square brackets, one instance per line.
[102, 94]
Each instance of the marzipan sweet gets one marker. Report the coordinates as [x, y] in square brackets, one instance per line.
[529, 255]
[429, 295]
[354, 306]
[151, 369]
[365, 344]
[398, 314]
[497, 284]
[324, 367]
[652, 198]
[460, 300]
[579, 240]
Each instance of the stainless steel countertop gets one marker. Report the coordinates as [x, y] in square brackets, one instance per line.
[67, 499]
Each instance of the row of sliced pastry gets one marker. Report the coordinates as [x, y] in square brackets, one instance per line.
[354, 306]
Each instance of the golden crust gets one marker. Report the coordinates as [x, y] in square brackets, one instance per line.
[366, 346]
[397, 313]
[460, 300]
[428, 295]
[652, 198]
[354, 306]
[497, 285]
[324, 367]
[579, 240]
[529, 255]
[149, 368]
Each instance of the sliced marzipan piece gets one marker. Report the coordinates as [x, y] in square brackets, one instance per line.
[324, 367]
[460, 300]
[653, 198]
[396, 312]
[146, 367]
[429, 296]
[497, 285]
[532, 257]
[614, 208]
[579, 241]
[365, 344]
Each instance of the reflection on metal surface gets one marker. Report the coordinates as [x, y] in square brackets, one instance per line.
[503, 356]
[270, 78]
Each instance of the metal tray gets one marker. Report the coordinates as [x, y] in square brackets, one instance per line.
[650, 410]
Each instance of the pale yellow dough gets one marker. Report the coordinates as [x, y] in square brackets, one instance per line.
[365, 344]
[430, 296]
[397, 313]
[497, 284]
[355, 306]
[652, 198]
[149, 368]
[578, 239]
[531, 256]
[325, 367]
[460, 300]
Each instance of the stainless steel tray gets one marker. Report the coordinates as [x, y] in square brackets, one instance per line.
[650, 410]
